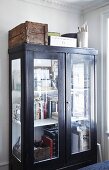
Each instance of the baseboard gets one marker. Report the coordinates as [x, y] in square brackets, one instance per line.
[3, 164]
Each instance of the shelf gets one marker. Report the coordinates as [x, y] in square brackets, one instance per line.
[45, 91]
[40, 122]
[73, 119]
[79, 89]
[44, 122]
[36, 91]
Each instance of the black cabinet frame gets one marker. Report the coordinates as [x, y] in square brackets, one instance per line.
[27, 53]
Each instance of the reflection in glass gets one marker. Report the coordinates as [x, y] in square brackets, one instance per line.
[81, 78]
[45, 109]
[16, 108]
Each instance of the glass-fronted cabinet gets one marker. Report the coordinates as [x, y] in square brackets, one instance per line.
[51, 107]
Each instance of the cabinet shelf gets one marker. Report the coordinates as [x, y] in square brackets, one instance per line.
[79, 89]
[45, 91]
[74, 119]
[44, 122]
[40, 122]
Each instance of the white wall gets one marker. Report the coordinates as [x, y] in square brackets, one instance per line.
[4, 167]
[94, 20]
[12, 13]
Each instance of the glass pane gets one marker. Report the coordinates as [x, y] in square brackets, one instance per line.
[45, 109]
[81, 101]
[16, 108]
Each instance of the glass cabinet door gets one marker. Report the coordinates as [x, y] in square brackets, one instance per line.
[45, 109]
[16, 108]
[82, 102]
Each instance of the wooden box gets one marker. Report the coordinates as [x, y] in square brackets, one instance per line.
[29, 32]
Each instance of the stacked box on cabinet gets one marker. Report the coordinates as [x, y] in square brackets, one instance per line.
[62, 41]
[29, 32]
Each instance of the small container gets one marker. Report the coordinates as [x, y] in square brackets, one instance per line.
[82, 39]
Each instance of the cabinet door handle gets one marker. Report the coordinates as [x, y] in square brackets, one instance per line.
[67, 106]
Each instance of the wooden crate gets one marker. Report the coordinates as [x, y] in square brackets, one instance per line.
[29, 32]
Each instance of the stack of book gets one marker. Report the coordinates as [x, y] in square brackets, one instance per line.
[62, 41]
[52, 135]
[54, 39]
[48, 142]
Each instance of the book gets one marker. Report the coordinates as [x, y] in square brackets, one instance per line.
[53, 34]
[48, 142]
[62, 41]
[49, 111]
[53, 134]
[45, 110]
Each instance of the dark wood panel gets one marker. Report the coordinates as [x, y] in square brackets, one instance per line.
[46, 48]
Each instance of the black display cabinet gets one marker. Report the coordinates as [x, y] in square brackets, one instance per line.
[52, 122]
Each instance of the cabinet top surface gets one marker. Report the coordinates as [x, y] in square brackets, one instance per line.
[47, 48]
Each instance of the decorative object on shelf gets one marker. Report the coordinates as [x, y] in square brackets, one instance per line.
[42, 78]
[16, 110]
[30, 32]
[17, 148]
[82, 36]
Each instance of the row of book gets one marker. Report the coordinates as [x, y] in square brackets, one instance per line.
[45, 109]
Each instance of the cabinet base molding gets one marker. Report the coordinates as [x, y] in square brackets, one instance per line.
[4, 164]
